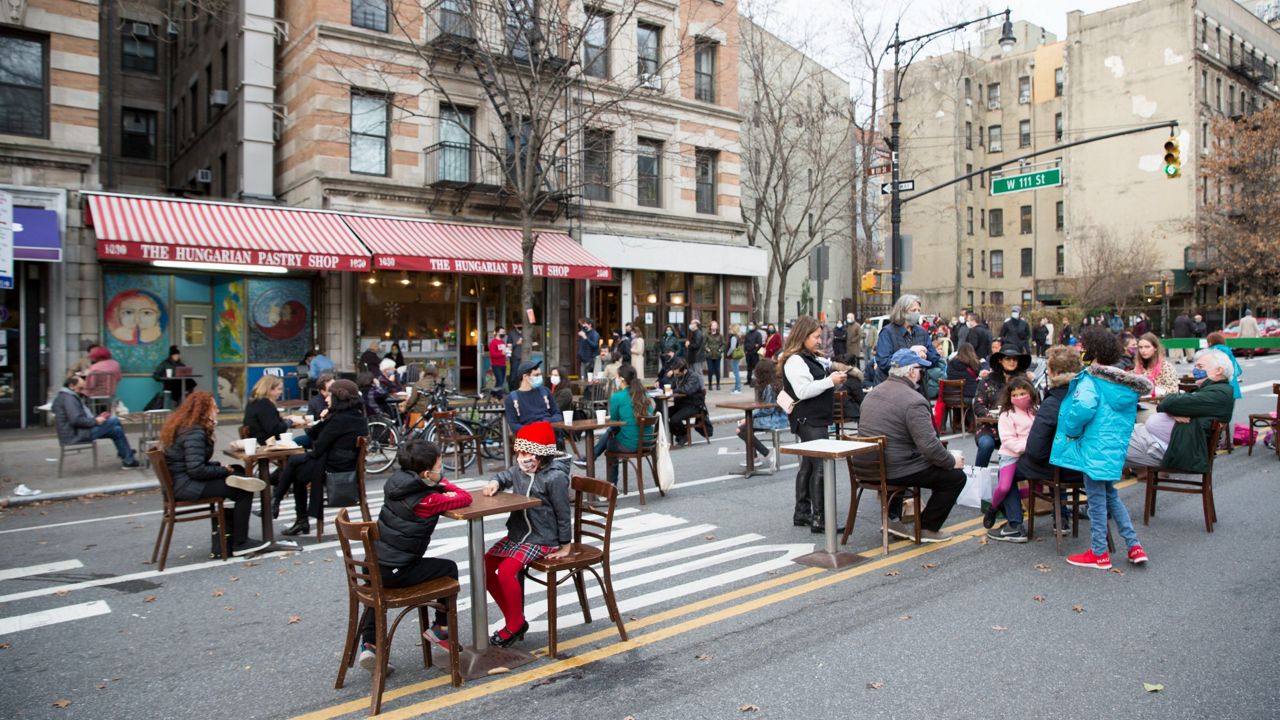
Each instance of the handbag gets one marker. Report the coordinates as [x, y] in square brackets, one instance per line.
[978, 485]
[665, 470]
[785, 401]
[341, 489]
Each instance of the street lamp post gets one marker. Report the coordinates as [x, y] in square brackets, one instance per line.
[1007, 41]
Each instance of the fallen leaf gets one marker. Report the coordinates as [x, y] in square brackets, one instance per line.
[629, 717]
[235, 578]
[61, 703]
[249, 564]
[500, 670]
[982, 541]
[146, 562]
[892, 573]
[904, 617]
[1038, 598]
[1118, 571]
[4, 646]
[701, 657]
[999, 628]
[228, 608]
[297, 562]
[295, 619]
[1078, 608]
[632, 618]
[101, 686]
[1152, 687]
[217, 593]
[60, 593]
[149, 598]
[929, 566]
[282, 571]
[709, 537]
[1043, 568]
[748, 708]
[874, 685]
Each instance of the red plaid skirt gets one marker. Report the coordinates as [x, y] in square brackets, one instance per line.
[524, 552]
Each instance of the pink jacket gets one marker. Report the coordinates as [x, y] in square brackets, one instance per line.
[1015, 426]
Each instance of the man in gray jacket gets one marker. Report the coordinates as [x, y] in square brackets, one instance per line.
[913, 454]
[77, 424]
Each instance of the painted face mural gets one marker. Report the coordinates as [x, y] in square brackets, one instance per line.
[136, 317]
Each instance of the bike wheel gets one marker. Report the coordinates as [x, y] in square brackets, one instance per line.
[491, 440]
[383, 446]
[457, 456]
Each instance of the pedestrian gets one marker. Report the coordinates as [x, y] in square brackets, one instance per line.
[396, 355]
[1048, 334]
[902, 332]
[262, 418]
[167, 374]
[81, 366]
[531, 402]
[1016, 332]
[1217, 341]
[979, 335]
[1116, 323]
[1143, 326]
[807, 382]
[1067, 333]
[1094, 425]
[332, 447]
[714, 349]
[515, 344]
[1177, 435]
[752, 347]
[1006, 364]
[1183, 327]
[827, 338]
[768, 383]
[637, 349]
[1249, 329]
[414, 498]
[1063, 364]
[1199, 329]
[669, 348]
[735, 353]
[840, 340]
[965, 366]
[772, 342]
[539, 472]
[588, 347]
[1041, 336]
[369, 359]
[695, 351]
[561, 392]
[77, 424]
[1018, 403]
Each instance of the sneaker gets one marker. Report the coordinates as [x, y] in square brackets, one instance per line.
[438, 635]
[1007, 533]
[580, 462]
[898, 529]
[369, 658]
[935, 536]
[132, 463]
[735, 392]
[243, 482]
[1089, 560]
[248, 547]
[1137, 555]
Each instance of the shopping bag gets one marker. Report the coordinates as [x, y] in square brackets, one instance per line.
[978, 485]
[666, 471]
[341, 489]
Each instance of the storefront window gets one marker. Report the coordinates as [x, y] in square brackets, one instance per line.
[418, 310]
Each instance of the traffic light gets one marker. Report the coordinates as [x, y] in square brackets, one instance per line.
[869, 281]
[1172, 162]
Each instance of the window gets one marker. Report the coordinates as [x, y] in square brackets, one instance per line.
[704, 71]
[968, 136]
[982, 180]
[994, 144]
[649, 173]
[1024, 133]
[969, 223]
[370, 14]
[1060, 262]
[224, 62]
[969, 263]
[706, 180]
[23, 108]
[369, 130]
[138, 47]
[1058, 82]
[968, 88]
[997, 263]
[1231, 99]
[997, 296]
[993, 95]
[997, 222]
[1060, 219]
[1204, 86]
[983, 255]
[982, 218]
[1204, 137]
[648, 40]
[968, 168]
[969, 294]
[193, 109]
[1218, 95]
[595, 46]
[1024, 90]
[456, 126]
[138, 134]
[1024, 215]
[1027, 269]
[1057, 127]
[222, 175]
[596, 158]
[208, 88]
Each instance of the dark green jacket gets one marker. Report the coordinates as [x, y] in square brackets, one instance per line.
[1189, 444]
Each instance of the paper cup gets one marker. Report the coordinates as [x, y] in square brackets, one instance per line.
[309, 418]
[168, 372]
[602, 415]
[666, 389]
[250, 446]
[591, 377]
[568, 417]
[285, 438]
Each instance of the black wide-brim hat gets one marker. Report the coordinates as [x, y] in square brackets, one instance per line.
[1024, 360]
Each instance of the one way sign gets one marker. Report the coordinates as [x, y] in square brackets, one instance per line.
[903, 186]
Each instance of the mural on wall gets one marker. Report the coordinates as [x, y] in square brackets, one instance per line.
[231, 388]
[136, 318]
[228, 301]
[279, 318]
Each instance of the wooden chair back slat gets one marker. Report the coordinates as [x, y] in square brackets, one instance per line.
[160, 467]
[602, 531]
[362, 575]
[952, 392]
[869, 467]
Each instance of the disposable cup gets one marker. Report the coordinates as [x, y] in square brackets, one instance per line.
[168, 372]
[601, 415]
[667, 388]
[250, 446]
[568, 417]
[285, 438]
[309, 418]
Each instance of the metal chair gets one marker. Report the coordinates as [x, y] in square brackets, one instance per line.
[75, 449]
[1202, 487]
[867, 472]
[1264, 421]
[176, 511]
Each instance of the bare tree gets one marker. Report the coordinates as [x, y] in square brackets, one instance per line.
[1112, 270]
[796, 170]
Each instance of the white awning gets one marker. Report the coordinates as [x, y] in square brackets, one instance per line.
[637, 253]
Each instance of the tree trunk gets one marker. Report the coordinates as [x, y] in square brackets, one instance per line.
[768, 297]
[782, 295]
[526, 279]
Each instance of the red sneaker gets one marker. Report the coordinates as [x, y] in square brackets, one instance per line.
[1089, 560]
[1137, 555]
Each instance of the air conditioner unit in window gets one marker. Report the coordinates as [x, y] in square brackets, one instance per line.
[141, 30]
[1024, 99]
[651, 81]
[173, 28]
[218, 98]
[203, 176]
[993, 105]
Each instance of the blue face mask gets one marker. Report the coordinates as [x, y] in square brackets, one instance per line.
[535, 381]
[1199, 373]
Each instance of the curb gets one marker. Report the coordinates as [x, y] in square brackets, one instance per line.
[19, 500]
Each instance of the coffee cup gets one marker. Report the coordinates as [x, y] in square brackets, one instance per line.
[591, 377]
[168, 372]
[666, 389]
[568, 417]
[250, 446]
[602, 415]
[309, 418]
[285, 438]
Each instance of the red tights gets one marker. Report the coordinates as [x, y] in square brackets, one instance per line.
[502, 580]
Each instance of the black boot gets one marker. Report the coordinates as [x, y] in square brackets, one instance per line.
[275, 509]
[301, 526]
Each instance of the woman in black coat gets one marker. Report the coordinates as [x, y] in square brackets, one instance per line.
[187, 441]
[333, 449]
[261, 416]
[965, 366]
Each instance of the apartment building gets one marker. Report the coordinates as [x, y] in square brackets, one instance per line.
[1140, 63]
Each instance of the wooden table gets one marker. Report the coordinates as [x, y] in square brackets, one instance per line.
[829, 451]
[589, 427]
[262, 460]
[748, 408]
[287, 405]
[480, 658]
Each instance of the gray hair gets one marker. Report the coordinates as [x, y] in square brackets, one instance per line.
[898, 315]
[1219, 359]
[902, 371]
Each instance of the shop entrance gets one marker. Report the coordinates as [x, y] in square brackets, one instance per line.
[195, 327]
[606, 303]
[472, 339]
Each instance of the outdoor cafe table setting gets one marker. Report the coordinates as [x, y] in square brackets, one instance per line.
[253, 455]
[663, 397]
[748, 407]
[480, 658]
[828, 451]
[589, 426]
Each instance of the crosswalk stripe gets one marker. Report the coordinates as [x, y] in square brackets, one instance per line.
[53, 617]
[44, 569]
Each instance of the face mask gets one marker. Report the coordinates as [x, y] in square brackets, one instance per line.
[535, 381]
[669, 333]
[913, 318]
[751, 327]
[1199, 373]
[1015, 314]
[502, 336]
[1022, 402]
[555, 379]
[431, 479]
[528, 464]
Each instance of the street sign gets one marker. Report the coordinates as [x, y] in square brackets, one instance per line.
[903, 186]
[6, 240]
[1026, 181]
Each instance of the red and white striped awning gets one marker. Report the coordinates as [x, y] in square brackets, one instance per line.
[399, 244]
[148, 229]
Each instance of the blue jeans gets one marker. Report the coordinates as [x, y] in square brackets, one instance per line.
[736, 366]
[112, 429]
[609, 442]
[1012, 506]
[1104, 501]
[986, 446]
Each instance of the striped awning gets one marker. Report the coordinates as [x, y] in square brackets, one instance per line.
[152, 229]
[399, 244]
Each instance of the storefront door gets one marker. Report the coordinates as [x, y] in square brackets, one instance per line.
[195, 326]
[473, 339]
[606, 303]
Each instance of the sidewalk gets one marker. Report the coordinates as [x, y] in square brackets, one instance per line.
[30, 457]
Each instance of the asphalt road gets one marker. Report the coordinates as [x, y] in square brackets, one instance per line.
[721, 620]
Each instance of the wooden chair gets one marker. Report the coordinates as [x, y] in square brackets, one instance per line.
[837, 413]
[452, 441]
[952, 394]
[1202, 487]
[76, 449]
[1051, 491]
[591, 522]
[648, 428]
[362, 446]
[365, 588]
[1263, 421]
[176, 511]
[867, 472]
[700, 422]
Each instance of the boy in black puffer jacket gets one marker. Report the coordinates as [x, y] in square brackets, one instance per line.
[414, 498]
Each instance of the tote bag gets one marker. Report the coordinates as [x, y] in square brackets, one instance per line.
[666, 471]
[978, 485]
[341, 489]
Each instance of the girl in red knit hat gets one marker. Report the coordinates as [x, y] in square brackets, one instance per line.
[541, 472]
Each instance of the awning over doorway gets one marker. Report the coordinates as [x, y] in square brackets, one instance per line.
[638, 253]
[148, 229]
[36, 235]
[400, 244]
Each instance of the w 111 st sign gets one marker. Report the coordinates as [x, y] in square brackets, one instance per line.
[1029, 181]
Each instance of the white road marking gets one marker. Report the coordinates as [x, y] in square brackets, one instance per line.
[53, 617]
[1257, 386]
[53, 567]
